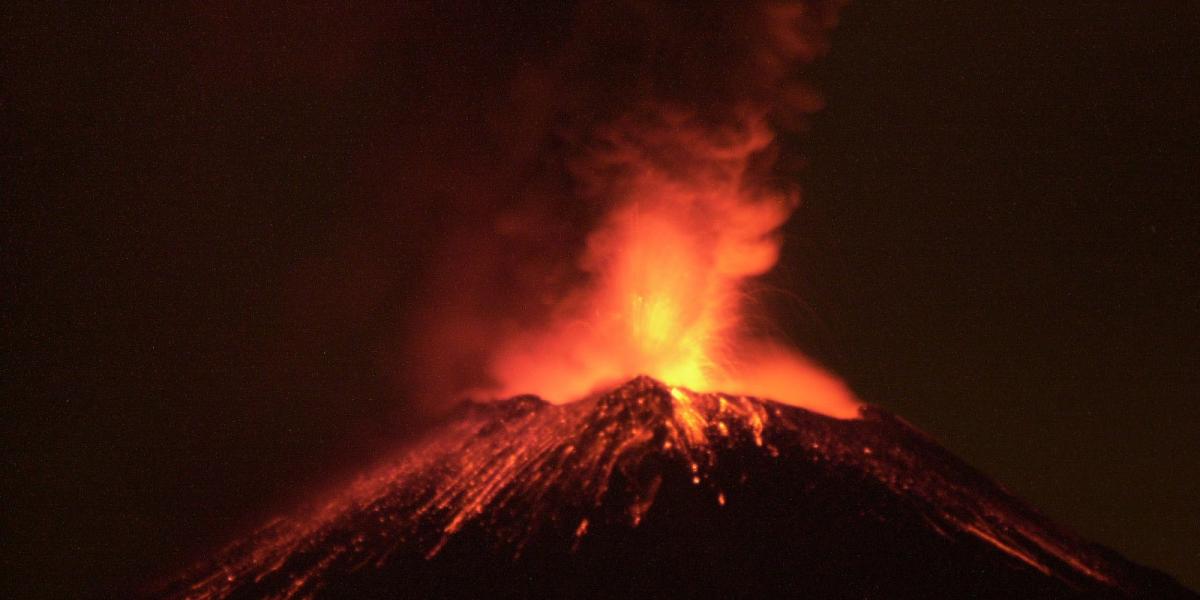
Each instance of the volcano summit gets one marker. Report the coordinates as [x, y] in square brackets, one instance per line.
[651, 490]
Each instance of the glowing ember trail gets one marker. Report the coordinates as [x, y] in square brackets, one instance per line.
[652, 490]
[648, 440]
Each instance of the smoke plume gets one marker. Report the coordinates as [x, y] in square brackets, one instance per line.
[640, 194]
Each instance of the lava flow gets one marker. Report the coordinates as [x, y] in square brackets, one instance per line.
[655, 490]
[651, 439]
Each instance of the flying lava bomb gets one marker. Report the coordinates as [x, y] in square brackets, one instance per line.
[638, 429]
[651, 491]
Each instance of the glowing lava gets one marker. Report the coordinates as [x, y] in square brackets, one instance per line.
[652, 490]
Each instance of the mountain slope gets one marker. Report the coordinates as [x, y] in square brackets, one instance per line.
[649, 490]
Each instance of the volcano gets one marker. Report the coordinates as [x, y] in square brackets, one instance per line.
[653, 490]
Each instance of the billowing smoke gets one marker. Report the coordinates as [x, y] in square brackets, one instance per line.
[642, 196]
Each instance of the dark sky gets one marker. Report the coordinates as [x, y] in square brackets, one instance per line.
[219, 220]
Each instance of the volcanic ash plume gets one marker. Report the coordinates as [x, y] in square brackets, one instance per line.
[693, 211]
[691, 481]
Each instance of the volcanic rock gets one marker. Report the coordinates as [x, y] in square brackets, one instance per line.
[654, 491]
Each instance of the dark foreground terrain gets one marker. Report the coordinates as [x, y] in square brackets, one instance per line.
[651, 491]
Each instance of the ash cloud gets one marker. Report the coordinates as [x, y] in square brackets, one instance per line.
[498, 140]
[690, 93]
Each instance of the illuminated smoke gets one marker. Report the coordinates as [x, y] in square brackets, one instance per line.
[607, 203]
[691, 217]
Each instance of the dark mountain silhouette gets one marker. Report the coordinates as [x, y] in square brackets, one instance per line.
[652, 491]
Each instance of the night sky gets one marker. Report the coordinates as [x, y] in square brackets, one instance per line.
[221, 224]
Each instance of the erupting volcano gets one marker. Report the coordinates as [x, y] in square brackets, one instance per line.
[648, 490]
[651, 434]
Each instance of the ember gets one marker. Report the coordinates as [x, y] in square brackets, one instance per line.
[730, 464]
[614, 494]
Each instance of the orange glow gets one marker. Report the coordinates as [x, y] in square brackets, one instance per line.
[530, 470]
[692, 222]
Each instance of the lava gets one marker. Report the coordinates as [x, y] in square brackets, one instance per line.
[686, 479]
[508, 488]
